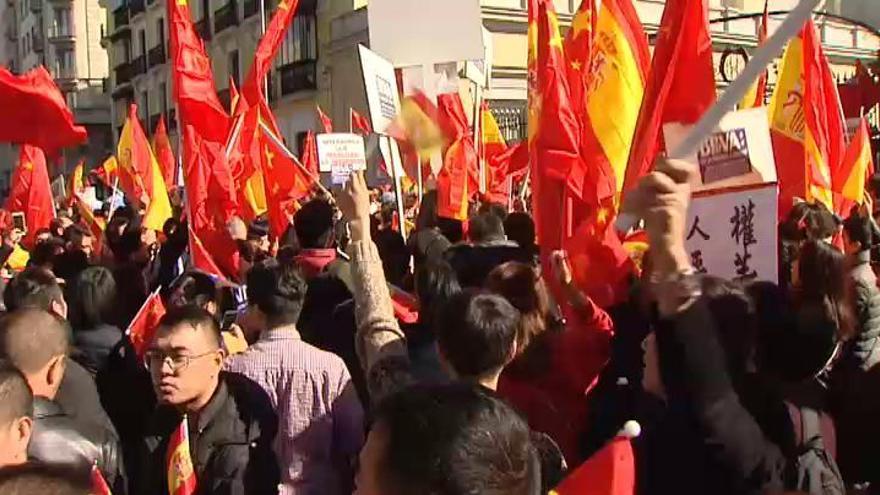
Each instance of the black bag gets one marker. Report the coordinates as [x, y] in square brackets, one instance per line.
[813, 470]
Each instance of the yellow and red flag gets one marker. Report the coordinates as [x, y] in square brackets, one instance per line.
[75, 186]
[454, 182]
[181, 471]
[611, 471]
[681, 84]
[755, 96]
[806, 123]
[106, 173]
[143, 326]
[90, 221]
[326, 122]
[857, 168]
[30, 192]
[493, 148]
[139, 174]
[164, 153]
[578, 48]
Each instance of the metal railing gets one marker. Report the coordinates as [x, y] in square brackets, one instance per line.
[298, 76]
[226, 16]
[156, 55]
[56, 32]
[123, 73]
[136, 7]
[139, 65]
[120, 17]
[251, 7]
[37, 43]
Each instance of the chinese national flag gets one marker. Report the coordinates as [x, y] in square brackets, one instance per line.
[806, 124]
[359, 123]
[578, 47]
[618, 74]
[681, 84]
[326, 123]
[201, 259]
[181, 471]
[286, 181]
[755, 97]
[75, 186]
[454, 182]
[858, 166]
[139, 174]
[252, 90]
[310, 153]
[35, 112]
[611, 471]
[164, 153]
[144, 324]
[30, 192]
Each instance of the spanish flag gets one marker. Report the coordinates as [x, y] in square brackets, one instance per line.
[106, 173]
[94, 224]
[459, 159]
[493, 148]
[181, 471]
[75, 186]
[139, 174]
[858, 166]
[755, 97]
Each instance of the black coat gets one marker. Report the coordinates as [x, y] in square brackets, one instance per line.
[78, 397]
[59, 439]
[92, 346]
[473, 263]
[231, 445]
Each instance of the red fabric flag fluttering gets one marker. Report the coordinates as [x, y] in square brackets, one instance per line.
[310, 153]
[326, 123]
[252, 90]
[359, 124]
[143, 326]
[30, 192]
[164, 153]
[455, 182]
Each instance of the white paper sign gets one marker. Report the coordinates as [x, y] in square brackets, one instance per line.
[732, 234]
[381, 87]
[341, 154]
[738, 153]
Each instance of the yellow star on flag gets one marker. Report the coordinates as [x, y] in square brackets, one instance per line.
[582, 22]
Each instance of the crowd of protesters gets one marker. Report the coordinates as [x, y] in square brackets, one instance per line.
[485, 381]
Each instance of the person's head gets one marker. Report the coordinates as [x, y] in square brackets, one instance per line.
[16, 415]
[46, 253]
[809, 221]
[821, 281]
[275, 295]
[93, 298]
[57, 226]
[486, 227]
[45, 479]
[42, 235]
[314, 225]
[36, 343]
[79, 239]
[394, 255]
[455, 439]
[185, 358]
[258, 235]
[35, 288]
[476, 335]
[857, 234]
[520, 228]
[435, 283]
[427, 217]
[524, 288]
[194, 288]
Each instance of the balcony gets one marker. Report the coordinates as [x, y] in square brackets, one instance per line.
[251, 7]
[203, 27]
[61, 34]
[11, 32]
[225, 17]
[123, 73]
[156, 55]
[171, 119]
[37, 43]
[136, 7]
[138, 65]
[154, 121]
[225, 97]
[36, 6]
[121, 25]
[298, 76]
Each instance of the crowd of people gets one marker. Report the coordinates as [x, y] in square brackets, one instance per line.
[450, 363]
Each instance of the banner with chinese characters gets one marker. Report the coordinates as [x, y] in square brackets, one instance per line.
[731, 233]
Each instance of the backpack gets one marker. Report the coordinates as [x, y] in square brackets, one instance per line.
[813, 470]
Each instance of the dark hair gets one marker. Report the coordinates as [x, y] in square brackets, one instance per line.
[30, 338]
[435, 283]
[192, 288]
[485, 227]
[45, 253]
[451, 229]
[56, 227]
[496, 209]
[257, 229]
[276, 290]
[32, 288]
[45, 479]
[92, 298]
[171, 227]
[16, 397]
[809, 221]
[394, 256]
[734, 315]
[823, 284]
[476, 333]
[75, 233]
[427, 217]
[314, 224]
[192, 316]
[44, 230]
[454, 439]
[858, 228]
[520, 228]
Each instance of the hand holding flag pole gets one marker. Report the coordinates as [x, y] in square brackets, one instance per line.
[759, 62]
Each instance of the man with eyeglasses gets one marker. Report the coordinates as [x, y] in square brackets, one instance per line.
[230, 420]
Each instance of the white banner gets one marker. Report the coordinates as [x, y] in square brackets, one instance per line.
[732, 233]
[341, 154]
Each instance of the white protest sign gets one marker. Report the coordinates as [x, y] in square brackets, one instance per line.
[383, 101]
[341, 154]
[732, 233]
[738, 152]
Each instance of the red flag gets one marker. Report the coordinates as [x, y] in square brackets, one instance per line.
[406, 306]
[99, 484]
[181, 471]
[201, 259]
[681, 84]
[455, 183]
[234, 97]
[611, 471]
[30, 192]
[359, 123]
[326, 123]
[106, 173]
[310, 153]
[857, 169]
[35, 112]
[287, 182]
[143, 326]
[252, 90]
[578, 48]
[164, 153]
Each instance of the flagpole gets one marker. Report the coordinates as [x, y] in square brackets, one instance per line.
[268, 132]
[263, 33]
[398, 188]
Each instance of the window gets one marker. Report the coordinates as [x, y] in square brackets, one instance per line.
[160, 32]
[61, 21]
[142, 36]
[300, 42]
[144, 110]
[163, 101]
[65, 63]
[234, 68]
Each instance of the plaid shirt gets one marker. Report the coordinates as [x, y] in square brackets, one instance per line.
[320, 419]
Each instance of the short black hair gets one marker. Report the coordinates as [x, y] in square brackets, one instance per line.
[75, 233]
[30, 338]
[35, 287]
[192, 316]
[16, 397]
[93, 298]
[496, 209]
[520, 228]
[314, 224]
[394, 255]
[858, 228]
[277, 290]
[45, 253]
[485, 227]
[435, 283]
[477, 332]
[192, 288]
[45, 479]
[258, 228]
[454, 439]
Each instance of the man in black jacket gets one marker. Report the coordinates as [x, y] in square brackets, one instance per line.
[37, 344]
[489, 248]
[230, 420]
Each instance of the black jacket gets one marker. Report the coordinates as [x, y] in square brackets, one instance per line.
[473, 263]
[231, 445]
[865, 349]
[78, 397]
[58, 439]
[92, 346]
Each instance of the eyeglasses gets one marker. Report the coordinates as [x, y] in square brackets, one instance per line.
[157, 359]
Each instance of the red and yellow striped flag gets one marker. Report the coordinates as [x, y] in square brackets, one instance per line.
[181, 472]
[139, 174]
[75, 186]
[858, 166]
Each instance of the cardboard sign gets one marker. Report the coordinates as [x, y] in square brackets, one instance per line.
[341, 154]
[738, 153]
[383, 101]
[732, 233]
